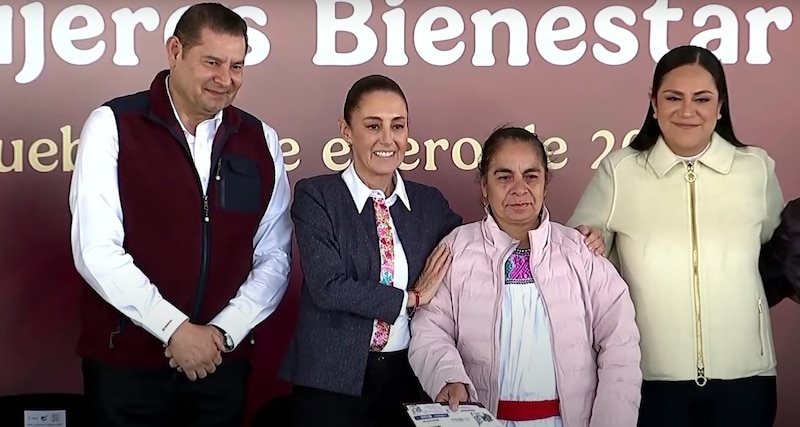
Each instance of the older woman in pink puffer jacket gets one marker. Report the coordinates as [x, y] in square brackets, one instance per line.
[528, 321]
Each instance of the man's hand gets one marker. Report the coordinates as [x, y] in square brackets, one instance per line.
[453, 394]
[195, 350]
[594, 239]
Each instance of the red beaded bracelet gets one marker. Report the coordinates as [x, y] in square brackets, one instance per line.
[416, 301]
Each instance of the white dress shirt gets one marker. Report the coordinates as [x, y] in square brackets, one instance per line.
[97, 234]
[399, 333]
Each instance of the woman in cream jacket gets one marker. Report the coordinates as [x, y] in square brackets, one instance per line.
[528, 321]
[685, 209]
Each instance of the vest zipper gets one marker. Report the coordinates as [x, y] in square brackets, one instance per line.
[204, 254]
[691, 178]
[201, 285]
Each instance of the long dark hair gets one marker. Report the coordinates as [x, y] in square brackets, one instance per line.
[677, 57]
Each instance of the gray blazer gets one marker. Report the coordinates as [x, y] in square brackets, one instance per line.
[340, 259]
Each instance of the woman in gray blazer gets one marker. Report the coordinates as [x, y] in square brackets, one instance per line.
[367, 241]
[370, 255]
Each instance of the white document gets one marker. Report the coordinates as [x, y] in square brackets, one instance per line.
[46, 418]
[440, 415]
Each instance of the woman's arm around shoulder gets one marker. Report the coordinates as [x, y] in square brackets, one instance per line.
[323, 267]
[432, 353]
[616, 341]
[596, 203]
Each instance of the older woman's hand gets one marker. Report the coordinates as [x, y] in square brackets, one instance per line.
[432, 275]
[594, 239]
[453, 394]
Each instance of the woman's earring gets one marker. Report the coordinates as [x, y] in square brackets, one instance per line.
[487, 209]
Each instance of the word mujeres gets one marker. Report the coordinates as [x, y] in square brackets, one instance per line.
[94, 33]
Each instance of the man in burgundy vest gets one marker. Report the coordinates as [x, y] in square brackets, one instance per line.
[181, 230]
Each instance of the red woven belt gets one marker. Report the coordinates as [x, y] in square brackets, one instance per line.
[527, 411]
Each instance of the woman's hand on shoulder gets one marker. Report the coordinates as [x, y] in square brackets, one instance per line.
[436, 267]
[594, 239]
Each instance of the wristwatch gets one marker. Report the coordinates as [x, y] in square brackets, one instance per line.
[227, 340]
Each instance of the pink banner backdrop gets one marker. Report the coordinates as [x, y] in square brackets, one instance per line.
[578, 73]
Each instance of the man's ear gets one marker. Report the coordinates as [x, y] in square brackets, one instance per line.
[174, 50]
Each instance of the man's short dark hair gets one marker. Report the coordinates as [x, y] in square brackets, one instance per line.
[213, 16]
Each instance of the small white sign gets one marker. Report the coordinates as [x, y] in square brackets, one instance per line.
[440, 415]
[46, 418]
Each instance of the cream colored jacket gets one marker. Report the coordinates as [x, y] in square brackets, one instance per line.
[686, 238]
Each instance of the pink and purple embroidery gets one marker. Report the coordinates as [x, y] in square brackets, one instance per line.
[518, 268]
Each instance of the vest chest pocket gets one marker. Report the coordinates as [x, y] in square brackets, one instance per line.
[239, 184]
